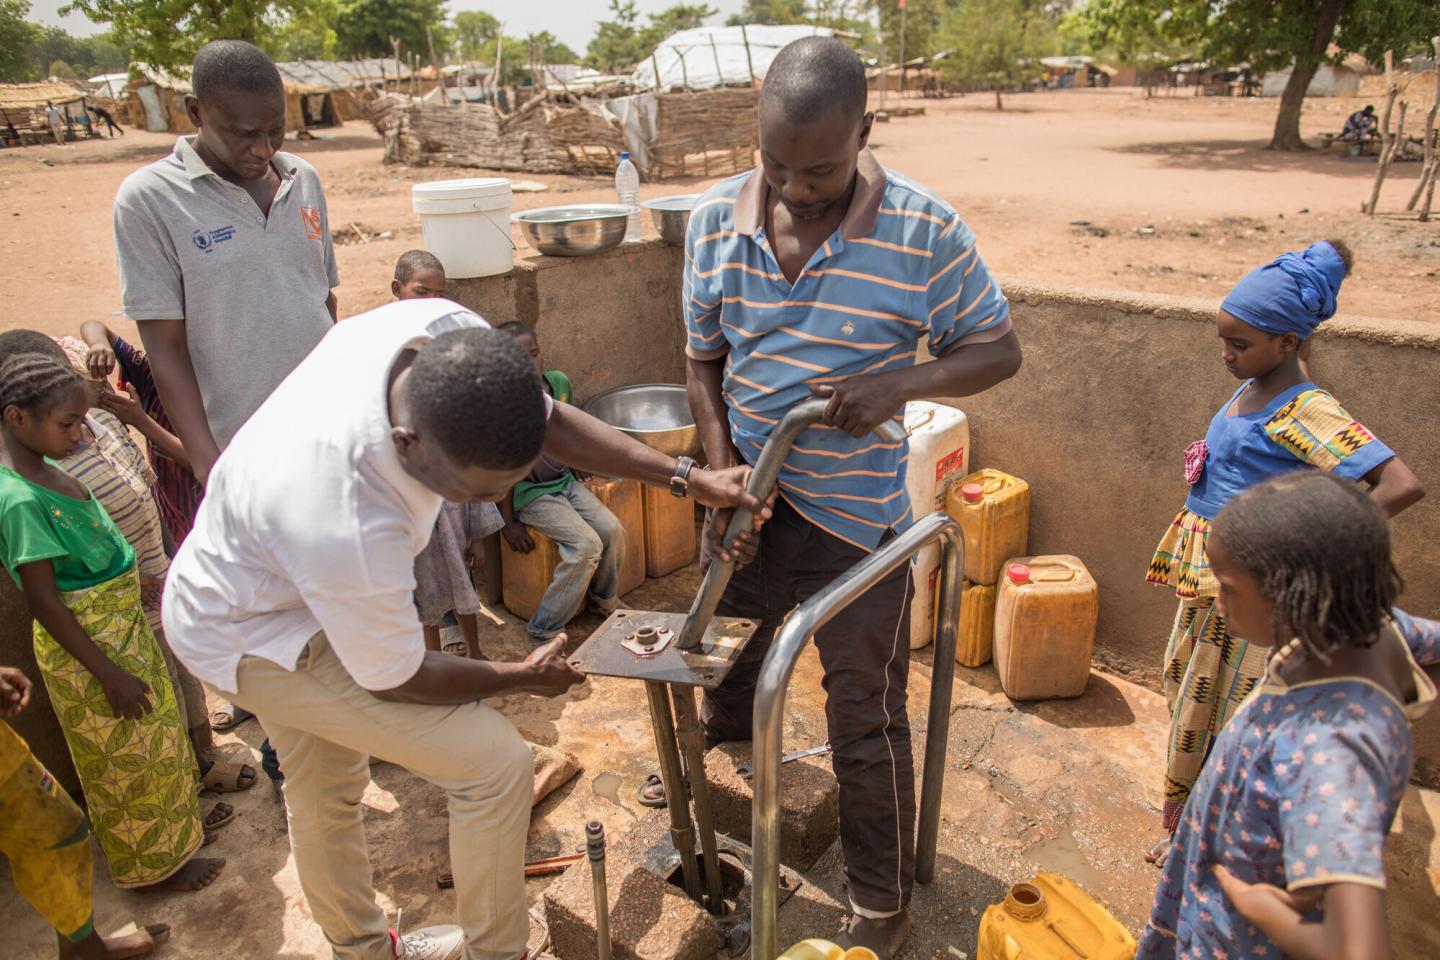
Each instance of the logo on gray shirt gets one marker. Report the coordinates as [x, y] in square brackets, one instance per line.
[206, 240]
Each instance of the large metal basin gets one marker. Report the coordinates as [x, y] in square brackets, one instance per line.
[656, 414]
[576, 230]
[671, 215]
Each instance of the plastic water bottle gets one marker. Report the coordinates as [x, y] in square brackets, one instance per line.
[627, 186]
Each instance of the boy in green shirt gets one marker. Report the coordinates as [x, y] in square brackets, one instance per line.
[590, 538]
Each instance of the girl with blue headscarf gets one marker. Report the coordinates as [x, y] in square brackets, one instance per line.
[1277, 422]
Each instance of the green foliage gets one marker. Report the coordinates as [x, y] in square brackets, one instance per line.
[771, 12]
[15, 38]
[308, 34]
[475, 32]
[549, 49]
[922, 24]
[996, 43]
[364, 27]
[61, 70]
[167, 33]
[621, 42]
[1267, 35]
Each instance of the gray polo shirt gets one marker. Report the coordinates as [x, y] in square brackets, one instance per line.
[250, 288]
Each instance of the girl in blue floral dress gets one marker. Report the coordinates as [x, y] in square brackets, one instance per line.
[1280, 851]
[1277, 422]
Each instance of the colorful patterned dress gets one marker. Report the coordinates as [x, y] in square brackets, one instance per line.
[1300, 792]
[1207, 672]
[139, 776]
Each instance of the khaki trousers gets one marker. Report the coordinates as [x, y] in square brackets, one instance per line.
[324, 727]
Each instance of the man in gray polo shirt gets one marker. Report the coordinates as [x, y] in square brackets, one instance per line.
[225, 256]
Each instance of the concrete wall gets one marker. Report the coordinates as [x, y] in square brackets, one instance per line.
[1115, 385]
[607, 321]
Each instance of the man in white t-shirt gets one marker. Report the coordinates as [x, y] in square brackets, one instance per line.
[293, 597]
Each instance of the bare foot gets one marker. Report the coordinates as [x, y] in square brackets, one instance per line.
[1160, 852]
[195, 875]
[95, 947]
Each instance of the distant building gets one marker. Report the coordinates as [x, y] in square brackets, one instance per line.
[1330, 80]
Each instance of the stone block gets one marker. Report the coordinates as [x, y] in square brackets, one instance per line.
[809, 803]
[650, 919]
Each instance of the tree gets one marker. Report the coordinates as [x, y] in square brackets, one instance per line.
[1130, 34]
[1302, 34]
[61, 70]
[996, 42]
[15, 37]
[682, 16]
[771, 12]
[167, 33]
[921, 20]
[308, 34]
[364, 27]
[615, 46]
[475, 32]
[549, 49]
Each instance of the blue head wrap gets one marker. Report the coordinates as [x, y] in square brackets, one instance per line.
[1291, 294]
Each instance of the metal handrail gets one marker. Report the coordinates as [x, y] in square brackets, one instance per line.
[796, 421]
[769, 714]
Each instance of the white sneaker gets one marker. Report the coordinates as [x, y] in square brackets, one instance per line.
[444, 941]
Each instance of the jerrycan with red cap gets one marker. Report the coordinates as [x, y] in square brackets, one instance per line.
[1046, 609]
[993, 509]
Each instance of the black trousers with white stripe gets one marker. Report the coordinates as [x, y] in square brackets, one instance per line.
[865, 654]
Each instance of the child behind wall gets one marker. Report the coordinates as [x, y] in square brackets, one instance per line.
[590, 539]
[444, 579]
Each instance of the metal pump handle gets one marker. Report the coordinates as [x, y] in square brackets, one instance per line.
[800, 418]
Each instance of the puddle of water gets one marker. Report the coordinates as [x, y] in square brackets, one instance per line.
[607, 785]
[1063, 855]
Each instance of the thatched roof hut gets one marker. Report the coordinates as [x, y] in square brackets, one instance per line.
[157, 98]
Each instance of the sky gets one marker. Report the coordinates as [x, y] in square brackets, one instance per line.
[573, 21]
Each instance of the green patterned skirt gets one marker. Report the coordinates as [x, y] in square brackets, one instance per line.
[139, 776]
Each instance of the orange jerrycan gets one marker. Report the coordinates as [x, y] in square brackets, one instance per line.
[977, 625]
[670, 537]
[526, 576]
[623, 498]
[993, 508]
[1051, 918]
[1045, 614]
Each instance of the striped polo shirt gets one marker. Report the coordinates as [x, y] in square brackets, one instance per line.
[902, 268]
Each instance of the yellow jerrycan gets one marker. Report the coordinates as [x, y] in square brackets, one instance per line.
[1046, 609]
[1051, 918]
[624, 499]
[993, 508]
[977, 625]
[526, 576]
[825, 950]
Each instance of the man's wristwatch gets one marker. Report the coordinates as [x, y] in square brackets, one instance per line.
[680, 482]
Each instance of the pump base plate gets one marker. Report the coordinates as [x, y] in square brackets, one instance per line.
[605, 653]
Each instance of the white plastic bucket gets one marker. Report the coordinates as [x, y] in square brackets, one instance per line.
[939, 456]
[467, 224]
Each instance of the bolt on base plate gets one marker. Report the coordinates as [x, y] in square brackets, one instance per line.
[639, 645]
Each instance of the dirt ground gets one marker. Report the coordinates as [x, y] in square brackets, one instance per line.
[1091, 188]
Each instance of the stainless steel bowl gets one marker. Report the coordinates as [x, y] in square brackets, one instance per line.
[656, 414]
[577, 230]
[671, 215]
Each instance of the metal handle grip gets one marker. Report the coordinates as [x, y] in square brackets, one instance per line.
[800, 418]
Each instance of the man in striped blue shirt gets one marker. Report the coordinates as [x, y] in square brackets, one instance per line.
[823, 274]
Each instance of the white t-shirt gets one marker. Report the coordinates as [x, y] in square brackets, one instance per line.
[309, 522]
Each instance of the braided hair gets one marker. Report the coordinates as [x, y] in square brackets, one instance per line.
[1320, 550]
[33, 381]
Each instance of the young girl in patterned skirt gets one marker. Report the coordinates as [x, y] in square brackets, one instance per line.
[101, 664]
[1281, 850]
[1277, 422]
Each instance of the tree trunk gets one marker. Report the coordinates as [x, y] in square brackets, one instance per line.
[1287, 123]
[998, 104]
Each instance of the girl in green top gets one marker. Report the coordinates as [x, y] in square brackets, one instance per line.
[100, 662]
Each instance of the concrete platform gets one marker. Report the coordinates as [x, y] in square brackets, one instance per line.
[1072, 787]
[809, 802]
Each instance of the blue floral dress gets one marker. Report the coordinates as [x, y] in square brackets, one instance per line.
[1300, 791]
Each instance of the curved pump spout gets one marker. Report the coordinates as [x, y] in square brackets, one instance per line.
[801, 417]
